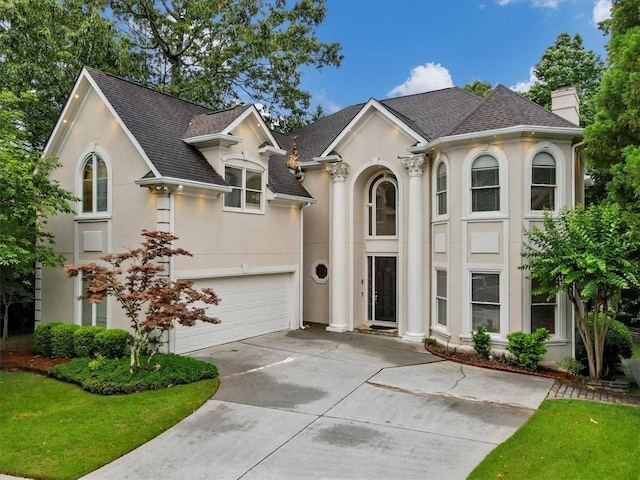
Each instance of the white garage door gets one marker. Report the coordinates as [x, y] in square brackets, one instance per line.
[251, 305]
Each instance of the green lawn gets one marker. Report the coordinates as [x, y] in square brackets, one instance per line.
[54, 430]
[569, 439]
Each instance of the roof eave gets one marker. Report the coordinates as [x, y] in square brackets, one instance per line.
[213, 139]
[177, 183]
[283, 198]
[532, 129]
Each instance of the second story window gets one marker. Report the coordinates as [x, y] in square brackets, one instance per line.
[485, 184]
[94, 185]
[441, 190]
[543, 182]
[247, 194]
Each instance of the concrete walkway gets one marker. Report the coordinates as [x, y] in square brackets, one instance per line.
[316, 405]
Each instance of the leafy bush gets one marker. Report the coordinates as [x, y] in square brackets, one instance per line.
[111, 343]
[112, 376]
[570, 365]
[84, 341]
[42, 338]
[62, 340]
[482, 341]
[617, 344]
[528, 348]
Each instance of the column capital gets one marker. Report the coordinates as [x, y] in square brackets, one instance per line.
[414, 165]
[338, 171]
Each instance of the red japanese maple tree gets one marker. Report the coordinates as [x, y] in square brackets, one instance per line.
[150, 300]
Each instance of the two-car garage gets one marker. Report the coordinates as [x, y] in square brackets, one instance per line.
[251, 305]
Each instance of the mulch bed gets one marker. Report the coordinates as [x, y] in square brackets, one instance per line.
[476, 360]
[20, 356]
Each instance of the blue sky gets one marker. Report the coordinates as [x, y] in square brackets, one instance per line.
[397, 47]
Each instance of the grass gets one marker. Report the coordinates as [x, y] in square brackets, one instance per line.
[569, 439]
[55, 430]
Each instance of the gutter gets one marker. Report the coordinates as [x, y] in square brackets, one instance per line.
[178, 182]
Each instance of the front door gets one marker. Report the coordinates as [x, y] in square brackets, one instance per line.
[382, 288]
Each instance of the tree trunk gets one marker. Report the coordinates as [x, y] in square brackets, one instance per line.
[5, 321]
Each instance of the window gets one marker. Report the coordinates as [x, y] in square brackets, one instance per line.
[485, 301]
[441, 297]
[92, 313]
[441, 189]
[320, 272]
[543, 182]
[94, 184]
[381, 206]
[247, 189]
[485, 184]
[543, 310]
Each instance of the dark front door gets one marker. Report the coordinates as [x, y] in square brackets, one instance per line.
[382, 288]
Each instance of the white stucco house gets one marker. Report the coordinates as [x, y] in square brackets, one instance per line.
[405, 215]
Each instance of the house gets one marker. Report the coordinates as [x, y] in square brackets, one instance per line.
[405, 216]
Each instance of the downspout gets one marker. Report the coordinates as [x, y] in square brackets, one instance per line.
[301, 267]
[574, 162]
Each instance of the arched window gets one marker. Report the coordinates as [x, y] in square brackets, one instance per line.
[441, 189]
[94, 184]
[485, 184]
[543, 182]
[382, 205]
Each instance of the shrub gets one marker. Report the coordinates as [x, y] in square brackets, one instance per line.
[62, 340]
[112, 376]
[482, 341]
[570, 365]
[84, 341]
[528, 348]
[111, 343]
[42, 338]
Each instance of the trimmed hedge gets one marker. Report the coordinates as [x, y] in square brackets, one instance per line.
[84, 340]
[111, 343]
[42, 338]
[62, 340]
[112, 376]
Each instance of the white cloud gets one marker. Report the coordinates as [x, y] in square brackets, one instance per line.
[601, 11]
[545, 3]
[329, 106]
[502, 3]
[522, 87]
[424, 78]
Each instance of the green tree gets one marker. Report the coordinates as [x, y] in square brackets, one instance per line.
[613, 140]
[223, 52]
[43, 46]
[27, 198]
[567, 62]
[587, 254]
[479, 88]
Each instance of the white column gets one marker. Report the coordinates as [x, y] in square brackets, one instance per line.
[415, 271]
[338, 320]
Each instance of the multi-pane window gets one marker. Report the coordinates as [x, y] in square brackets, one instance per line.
[485, 184]
[247, 190]
[485, 301]
[543, 310]
[93, 313]
[94, 185]
[543, 182]
[381, 206]
[441, 189]
[441, 297]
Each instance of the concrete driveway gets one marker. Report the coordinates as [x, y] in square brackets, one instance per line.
[318, 405]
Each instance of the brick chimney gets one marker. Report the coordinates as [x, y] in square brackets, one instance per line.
[565, 103]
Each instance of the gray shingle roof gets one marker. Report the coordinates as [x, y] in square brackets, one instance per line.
[504, 108]
[281, 180]
[213, 122]
[157, 121]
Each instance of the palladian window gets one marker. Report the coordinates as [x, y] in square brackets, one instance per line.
[381, 206]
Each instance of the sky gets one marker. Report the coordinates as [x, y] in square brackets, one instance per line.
[401, 47]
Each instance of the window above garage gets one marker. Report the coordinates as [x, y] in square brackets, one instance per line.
[248, 189]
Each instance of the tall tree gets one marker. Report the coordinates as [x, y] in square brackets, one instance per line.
[43, 46]
[587, 254]
[567, 62]
[613, 140]
[27, 197]
[479, 88]
[221, 52]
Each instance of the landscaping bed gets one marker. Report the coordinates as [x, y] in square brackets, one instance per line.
[20, 355]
